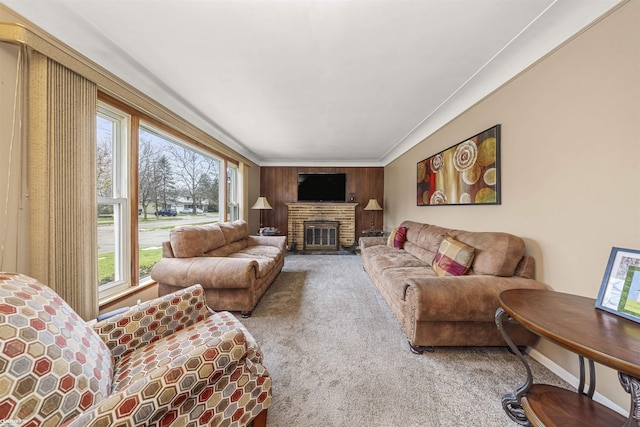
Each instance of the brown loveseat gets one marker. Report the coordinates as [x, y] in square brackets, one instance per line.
[234, 268]
[449, 310]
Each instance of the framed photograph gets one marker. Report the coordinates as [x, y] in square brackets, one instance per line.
[467, 173]
[620, 290]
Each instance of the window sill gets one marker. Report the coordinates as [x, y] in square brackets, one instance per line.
[122, 294]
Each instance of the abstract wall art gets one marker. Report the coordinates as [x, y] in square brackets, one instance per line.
[467, 173]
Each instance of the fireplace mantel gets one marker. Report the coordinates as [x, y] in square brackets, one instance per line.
[344, 213]
[323, 204]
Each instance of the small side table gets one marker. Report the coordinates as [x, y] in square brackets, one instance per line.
[574, 323]
[372, 233]
[268, 231]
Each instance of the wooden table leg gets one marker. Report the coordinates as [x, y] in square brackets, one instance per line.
[260, 420]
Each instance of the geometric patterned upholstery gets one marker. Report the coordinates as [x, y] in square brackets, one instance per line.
[53, 365]
[168, 361]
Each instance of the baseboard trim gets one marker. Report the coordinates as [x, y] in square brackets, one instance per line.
[571, 379]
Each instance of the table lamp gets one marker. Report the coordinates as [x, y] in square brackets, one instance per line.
[373, 206]
[261, 204]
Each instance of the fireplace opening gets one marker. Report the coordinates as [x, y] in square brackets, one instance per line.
[321, 235]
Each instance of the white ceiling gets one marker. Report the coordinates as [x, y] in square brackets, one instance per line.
[315, 82]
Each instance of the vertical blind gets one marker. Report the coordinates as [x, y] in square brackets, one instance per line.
[62, 140]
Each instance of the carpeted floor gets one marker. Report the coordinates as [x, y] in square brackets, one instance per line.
[338, 357]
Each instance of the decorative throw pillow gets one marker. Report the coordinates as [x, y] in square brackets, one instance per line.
[392, 236]
[397, 237]
[453, 258]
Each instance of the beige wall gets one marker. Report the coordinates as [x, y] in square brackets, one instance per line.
[570, 164]
[14, 202]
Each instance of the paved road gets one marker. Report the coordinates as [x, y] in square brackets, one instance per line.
[153, 232]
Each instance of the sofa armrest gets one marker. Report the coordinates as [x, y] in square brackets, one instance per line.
[279, 242]
[210, 272]
[220, 358]
[152, 320]
[367, 242]
[167, 250]
[526, 267]
[460, 298]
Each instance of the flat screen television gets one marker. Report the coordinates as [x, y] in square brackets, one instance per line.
[322, 187]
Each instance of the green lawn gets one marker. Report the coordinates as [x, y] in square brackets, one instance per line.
[148, 258]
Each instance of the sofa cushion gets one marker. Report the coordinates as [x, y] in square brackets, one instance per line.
[195, 240]
[383, 257]
[265, 256]
[453, 258]
[222, 251]
[235, 230]
[226, 250]
[262, 251]
[423, 240]
[496, 254]
[413, 229]
[193, 344]
[419, 252]
[430, 237]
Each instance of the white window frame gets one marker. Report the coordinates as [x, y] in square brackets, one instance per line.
[119, 200]
[232, 192]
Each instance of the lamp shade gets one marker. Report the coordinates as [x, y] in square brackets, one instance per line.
[261, 203]
[373, 205]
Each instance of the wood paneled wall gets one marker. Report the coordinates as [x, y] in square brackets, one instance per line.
[280, 186]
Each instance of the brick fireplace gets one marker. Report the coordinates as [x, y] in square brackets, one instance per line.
[342, 213]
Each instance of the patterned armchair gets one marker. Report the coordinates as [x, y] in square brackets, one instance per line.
[168, 361]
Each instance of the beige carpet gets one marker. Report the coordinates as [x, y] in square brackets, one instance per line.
[338, 357]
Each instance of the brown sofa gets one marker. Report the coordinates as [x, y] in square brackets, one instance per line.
[449, 310]
[234, 268]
